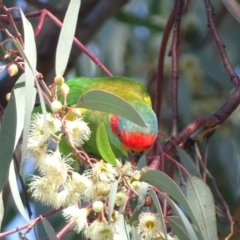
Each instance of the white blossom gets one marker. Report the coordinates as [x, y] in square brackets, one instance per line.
[149, 225]
[77, 216]
[99, 231]
[78, 131]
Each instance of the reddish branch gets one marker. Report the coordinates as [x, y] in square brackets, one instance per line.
[160, 71]
[221, 46]
[174, 53]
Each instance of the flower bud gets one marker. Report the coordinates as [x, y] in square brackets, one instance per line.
[120, 198]
[64, 89]
[59, 80]
[136, 185]
[56, 106]
[76, 112]
[8, 95]
[98, 206]
[12, 70]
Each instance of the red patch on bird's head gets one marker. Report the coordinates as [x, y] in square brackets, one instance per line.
[114, 124]
[137, 141]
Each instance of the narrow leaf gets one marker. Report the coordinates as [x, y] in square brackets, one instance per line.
[100, 100]
[178, 227]
[154, 197]
[66, 36]
[135, 235]
[111, 199]
[188, 227]
[143, 189]
[200, 198]
[103, 145]
[12, 125]
[188, 163]
[49, 229]
[1, 209]
[15, 192]
[121, 229]
[164, 183]
[30, 90]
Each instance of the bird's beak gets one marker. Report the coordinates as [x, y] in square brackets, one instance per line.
[134, 157]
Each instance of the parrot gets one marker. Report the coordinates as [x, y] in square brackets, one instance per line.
[126, 138]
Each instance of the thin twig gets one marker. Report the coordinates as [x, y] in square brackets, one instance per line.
[178, 6]
[221, 47]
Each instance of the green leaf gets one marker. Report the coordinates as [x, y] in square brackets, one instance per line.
[66, 37]
[12, 125]
[201, 200]
[143, 189]
[154, 197]
[100, 100]
[49, 229]
[178, 227]
[188, 163]
[111, 199]
[30, 61]
[121, 229]
[188, 227]
[103, 145]
[135, 235]
[164, 183]
[15, 192]
[1, 209]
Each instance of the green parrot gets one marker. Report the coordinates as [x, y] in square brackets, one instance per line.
[125, 137]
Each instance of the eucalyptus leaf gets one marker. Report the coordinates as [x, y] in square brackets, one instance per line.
[143, 189]
[134, 234]
[66, 37]
[188, 162]
[1, 209]
[15, 192]
[164, 183]
[30, 91]
[100, 100]
[12, 125]
[154, 197]
[122, 229]
[178, 227]
[111, 199]
[186, 224]
[103, 145]
[200, 198]
[49, 229]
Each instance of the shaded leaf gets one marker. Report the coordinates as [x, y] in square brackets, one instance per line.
[15, 192]
[164, 183]
[100, 100]
[200, 198]
[186, 224]
[1, 209]
[49, 229]
[12, 125]
[178, 227]
[188, 163]
[111, 199]
[66, 36]
[154, 197]
[143, 189]
[121, 229]
[103, 145]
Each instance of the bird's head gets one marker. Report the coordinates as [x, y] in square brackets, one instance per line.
[136, 139]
